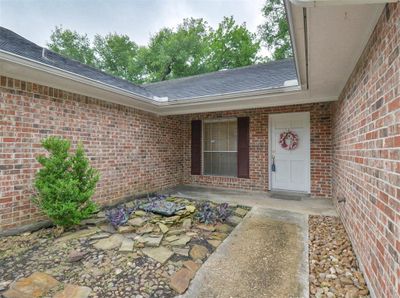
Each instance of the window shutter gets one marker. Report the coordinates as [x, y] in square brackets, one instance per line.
[243, 147]
[196, 147]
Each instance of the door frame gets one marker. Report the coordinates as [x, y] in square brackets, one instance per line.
[308, 157]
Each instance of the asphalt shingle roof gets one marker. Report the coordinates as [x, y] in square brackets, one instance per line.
[16, 44]
[260, 76]
[248, 78]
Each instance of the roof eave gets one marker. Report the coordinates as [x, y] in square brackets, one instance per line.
[34, 66]
[33, 71]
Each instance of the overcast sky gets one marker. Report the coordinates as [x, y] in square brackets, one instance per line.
[35, 19]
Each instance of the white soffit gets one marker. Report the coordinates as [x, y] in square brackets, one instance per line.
[335, 38]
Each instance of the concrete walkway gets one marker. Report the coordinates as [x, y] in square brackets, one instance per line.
[253, 198]
[266, 255]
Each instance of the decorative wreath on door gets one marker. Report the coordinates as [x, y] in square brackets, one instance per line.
[289, 140]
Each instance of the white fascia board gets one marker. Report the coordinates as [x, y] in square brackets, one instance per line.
[316, 3]
[241, 103]
[30, 70]
[34, 67]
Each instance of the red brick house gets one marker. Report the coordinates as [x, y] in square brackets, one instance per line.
[340, 94]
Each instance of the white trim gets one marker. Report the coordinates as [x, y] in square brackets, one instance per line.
[270, 117]
[317, 3]
[20, 68]
[220, 120]
[220, 151]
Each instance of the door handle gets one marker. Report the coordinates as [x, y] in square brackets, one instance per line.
[273, 167]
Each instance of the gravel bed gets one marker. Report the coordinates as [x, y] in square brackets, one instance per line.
[334, 271]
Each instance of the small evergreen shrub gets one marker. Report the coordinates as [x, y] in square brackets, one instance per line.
[65, 183]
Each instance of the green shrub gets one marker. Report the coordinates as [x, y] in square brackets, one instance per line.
[65, 183]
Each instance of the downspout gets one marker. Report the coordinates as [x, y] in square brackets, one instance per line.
[318, 3]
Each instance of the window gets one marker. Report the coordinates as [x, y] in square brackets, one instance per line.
[220, 148]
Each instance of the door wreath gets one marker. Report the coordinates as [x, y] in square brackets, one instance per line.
[289, 140]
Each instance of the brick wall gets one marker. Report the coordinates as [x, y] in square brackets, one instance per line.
[366, 154]
[320, 117]
[135, 151]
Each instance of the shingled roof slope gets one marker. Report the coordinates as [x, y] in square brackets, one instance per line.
[261, 76]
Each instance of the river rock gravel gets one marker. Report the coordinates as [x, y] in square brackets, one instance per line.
[334, 271]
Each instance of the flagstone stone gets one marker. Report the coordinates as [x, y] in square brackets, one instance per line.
[164, 229]
[153, 240]
[75, 256]
[108, 228]
[99, 236]
[181, 251]
[176, 232]
[234, 220]
[140, 213]
[240, 212]
[136, 222]
[191, 208]
[109, 243]
[125, 229]
[224, 228]
[79, 234]
[148, 228]
[160, 254]
[218, 236]
[187, 223]
[198, 252]
[181, 241]
[180, 280]
[172, 238]
[214, 243]
[192, 266]
[34, 286]
[209, 228]
[126, 245]
[93, 221]
[73, 291]
[172, 219]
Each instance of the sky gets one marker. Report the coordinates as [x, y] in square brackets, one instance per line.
[139, 19]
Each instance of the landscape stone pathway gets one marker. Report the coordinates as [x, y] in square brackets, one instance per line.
[150, 255]
[265, 256]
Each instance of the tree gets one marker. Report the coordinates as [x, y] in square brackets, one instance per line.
[275, 31]
[231, 46]
[177, 53]
[65, 183]
[191, 48]
[73, 45]
[117, 55]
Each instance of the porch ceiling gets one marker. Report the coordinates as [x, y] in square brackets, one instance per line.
[328, 42]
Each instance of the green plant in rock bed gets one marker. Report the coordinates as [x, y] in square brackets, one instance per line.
[65, 184]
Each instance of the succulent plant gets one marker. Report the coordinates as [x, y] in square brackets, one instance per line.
[223, 212]
[205, 213]
[119, 216]
[209, 214]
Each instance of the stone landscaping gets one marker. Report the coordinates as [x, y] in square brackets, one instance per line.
[334, 270]
[141, 254]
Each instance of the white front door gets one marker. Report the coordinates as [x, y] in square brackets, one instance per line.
[292, 167]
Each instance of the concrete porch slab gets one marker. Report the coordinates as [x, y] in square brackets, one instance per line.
[254, 198]
[265, 256]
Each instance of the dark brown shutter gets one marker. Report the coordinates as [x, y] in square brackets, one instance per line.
[196, 147]
[243, 147]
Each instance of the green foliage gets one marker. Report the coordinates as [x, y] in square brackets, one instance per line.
[117, 55]
[231, 46]
[178, 53]
[65, 183]
[192, 48]
[275, 31]
[73, 45]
